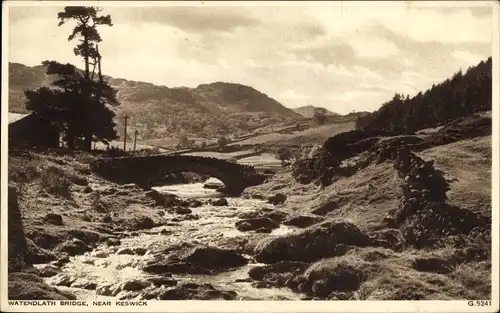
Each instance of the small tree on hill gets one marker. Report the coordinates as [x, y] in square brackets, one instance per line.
[184, 143]
[319, 117]
[284, 154]
[222, 141]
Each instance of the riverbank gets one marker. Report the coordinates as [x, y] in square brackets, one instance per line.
[372, 237]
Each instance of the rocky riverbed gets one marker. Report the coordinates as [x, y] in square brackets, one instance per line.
[199, 254]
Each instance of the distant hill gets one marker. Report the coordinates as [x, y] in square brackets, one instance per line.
[207, 111]
[309, 110]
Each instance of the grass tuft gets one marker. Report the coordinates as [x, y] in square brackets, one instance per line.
[54, 181]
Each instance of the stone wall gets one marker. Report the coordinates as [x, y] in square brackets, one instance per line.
[423, 216]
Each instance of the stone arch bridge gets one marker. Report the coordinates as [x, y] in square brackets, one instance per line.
[145, 171]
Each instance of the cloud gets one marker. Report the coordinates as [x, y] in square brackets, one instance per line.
[192, 19]
[374, 47]
[416, 23]
[332, 51]
[340, 57]
[468, 56]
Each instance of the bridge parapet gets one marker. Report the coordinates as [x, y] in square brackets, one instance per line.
[146, 170]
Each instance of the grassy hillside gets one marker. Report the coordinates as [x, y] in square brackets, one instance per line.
[467, 165]
[308, 137]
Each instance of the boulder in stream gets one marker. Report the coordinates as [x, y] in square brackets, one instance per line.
[163, 199]
[84, 284]
[144, 222]
[195, 203]
[219, 202]
[109, 290]
[134, 285]
[182, 210]
[166, 281]
[213, 185]
[211, 257]
[256, 223]
[278, 198]
[194, 291]
[52, 218]
[302, 221]
[48, 270]
[132, 251]
[63, 280]
[74, 247]
[279, 274]
[113, 241]
[318, 241]
[200, 260]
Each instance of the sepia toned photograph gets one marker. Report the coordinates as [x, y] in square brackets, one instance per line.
[265, 151]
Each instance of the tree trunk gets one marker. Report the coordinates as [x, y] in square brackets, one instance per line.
[71, 130]
[87, 143]
[52, 136]
[70, 138]
[86, 55]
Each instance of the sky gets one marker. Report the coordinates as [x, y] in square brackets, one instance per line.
[342, 57]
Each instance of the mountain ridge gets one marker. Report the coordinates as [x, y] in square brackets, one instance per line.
[207, 111]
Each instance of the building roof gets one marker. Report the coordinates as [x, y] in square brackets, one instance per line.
[14, 117]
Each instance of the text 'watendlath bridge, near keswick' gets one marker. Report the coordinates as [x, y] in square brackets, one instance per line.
[148, 171]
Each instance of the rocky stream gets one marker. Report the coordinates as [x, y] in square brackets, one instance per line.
[133, 266]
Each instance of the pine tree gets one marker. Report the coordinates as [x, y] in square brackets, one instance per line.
[47, 104]
[87, 20]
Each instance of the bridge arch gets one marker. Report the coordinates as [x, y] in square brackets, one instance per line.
[145, 171]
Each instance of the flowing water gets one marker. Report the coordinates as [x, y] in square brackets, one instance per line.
[104, 266]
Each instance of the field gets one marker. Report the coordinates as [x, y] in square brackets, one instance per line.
[310, 136]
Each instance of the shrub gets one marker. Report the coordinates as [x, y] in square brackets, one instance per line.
[185, 143]
[54, 181]
[284, 154]
[22, 170]
[222, 141]
[319, 117]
